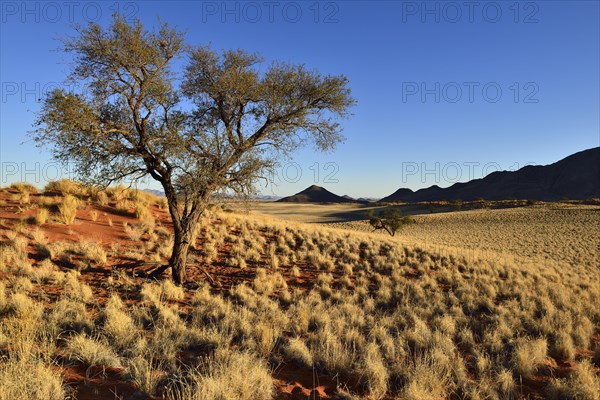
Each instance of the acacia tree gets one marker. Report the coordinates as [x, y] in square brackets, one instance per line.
[390, 220]
[215, 124]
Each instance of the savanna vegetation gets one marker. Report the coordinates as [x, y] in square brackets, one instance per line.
[133, 119]
[289, 310]
[108, 292]
[389, 220]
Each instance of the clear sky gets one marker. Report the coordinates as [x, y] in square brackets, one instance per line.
[447, 91]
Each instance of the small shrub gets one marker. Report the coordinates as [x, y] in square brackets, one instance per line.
[375, 372]
[118, 324]
[20, 225]
[70, 315]
[162, 203]
[92, 252]
[22, 284]
[268, 283]
[210, 252]
[46, 272]
[124, 206]
[24, 307]
[21, 198]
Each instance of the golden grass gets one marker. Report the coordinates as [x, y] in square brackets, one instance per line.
[65, 187]
[24, 187]
[36, 381]
[226, 376]
[92, 352]
[538, 235]
[384, 317]
[41, 217]
[94, 215]
[68, 209]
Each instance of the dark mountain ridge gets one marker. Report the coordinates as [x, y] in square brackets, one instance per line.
[576, 177]
[316, 194]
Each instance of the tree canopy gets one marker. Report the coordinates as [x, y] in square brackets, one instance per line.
[217, 123]
[389, 220]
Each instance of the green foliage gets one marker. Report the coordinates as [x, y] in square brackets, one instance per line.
[130, 122]
[389, 219]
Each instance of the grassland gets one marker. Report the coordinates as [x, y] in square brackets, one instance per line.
[556, 233]
[310, 213]
[481, 304]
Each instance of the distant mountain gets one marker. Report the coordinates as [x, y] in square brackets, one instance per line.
[360, 199]
[316, 194]
[367, 199]
[576, 177]
[266, 197]
[402, 194]
[155, 192]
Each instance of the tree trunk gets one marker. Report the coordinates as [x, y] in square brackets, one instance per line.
[183, 228]
[178, 260]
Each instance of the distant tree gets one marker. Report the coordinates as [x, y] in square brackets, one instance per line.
[217, 125]
[389, 219]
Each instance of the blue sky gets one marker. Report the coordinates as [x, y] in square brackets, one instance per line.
[446, 91]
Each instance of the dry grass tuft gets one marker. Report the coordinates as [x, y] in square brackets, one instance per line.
[229, 375]
[296, 350]
[529, 355]
[68, 209]
[41, 217]
[76, 290]
[582, 384]
[144, 375]
[143, 214]
[67, 187]
[36, 381]
[24, 187]
[156, 293]
[92, 352]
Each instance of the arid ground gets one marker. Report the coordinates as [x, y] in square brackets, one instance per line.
[291, 301]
